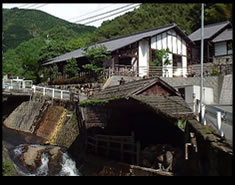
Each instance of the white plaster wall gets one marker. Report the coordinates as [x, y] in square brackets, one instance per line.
[179, 45]
[164, 43]
[176, 45]
[208, 94]
[159, 42]
[184, 49]
[154, 42]
[143, 57]
[169, 41]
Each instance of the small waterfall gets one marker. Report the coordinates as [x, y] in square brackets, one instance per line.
[43, 169]
[68, 166]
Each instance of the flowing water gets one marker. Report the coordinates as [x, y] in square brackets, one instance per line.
[15, 140]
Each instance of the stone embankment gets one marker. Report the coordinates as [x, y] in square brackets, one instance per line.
[46, 119]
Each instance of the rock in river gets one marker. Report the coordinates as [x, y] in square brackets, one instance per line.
[41, 160]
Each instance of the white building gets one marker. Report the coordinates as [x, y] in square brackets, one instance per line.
[133, 54]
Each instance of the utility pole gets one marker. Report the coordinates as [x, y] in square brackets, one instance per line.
[201, 66]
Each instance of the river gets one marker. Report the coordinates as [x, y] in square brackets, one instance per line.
[14, 142]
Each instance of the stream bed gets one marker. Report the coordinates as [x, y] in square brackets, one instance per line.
[32, 158]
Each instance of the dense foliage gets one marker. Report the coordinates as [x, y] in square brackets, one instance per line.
[96, 56]
[23, 24]
[186, 15]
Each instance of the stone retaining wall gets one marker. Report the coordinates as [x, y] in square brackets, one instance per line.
[214, 156]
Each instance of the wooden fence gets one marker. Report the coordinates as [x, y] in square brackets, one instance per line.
[121, 145]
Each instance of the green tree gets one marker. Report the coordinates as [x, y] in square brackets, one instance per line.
[96, 56]
[71, 68]
[218, 12]
[161, 55]
[53, 49]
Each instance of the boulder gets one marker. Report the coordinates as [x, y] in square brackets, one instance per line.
[33, 160]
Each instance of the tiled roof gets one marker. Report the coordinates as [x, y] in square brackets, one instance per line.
[130, 88]
[123, 90]
[175, 106]
[117, 43]
[209, 31]
[224, 36]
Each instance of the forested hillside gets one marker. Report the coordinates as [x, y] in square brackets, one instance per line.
[36, 37]
[150, 15]
[23, 24]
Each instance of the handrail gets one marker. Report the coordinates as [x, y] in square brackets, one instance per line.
[52, 94]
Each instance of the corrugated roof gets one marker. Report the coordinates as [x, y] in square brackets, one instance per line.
[224, 36]
[120, 42]
[209, 31]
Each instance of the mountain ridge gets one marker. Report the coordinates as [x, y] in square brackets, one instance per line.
[24, 24]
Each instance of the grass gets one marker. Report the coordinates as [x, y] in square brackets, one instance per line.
[8, 168]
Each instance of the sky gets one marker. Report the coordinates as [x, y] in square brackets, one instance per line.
[79, 12]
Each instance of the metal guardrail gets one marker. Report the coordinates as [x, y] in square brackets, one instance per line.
[16, 84]
[221, 117]
[54, 93]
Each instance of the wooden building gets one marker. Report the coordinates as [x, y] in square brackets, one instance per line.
[133, 54]
[217, 42]
[149, 107]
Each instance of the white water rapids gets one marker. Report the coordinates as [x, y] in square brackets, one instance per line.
[68, 166]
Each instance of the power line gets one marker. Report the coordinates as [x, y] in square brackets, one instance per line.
[103, 13]
[110, 15]
[23, 5]
[90, 12]
[26, 5]
[32, 5]
[41, 6]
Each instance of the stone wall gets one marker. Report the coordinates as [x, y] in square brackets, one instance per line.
[214, 156]
[223, 60]
[53, 120]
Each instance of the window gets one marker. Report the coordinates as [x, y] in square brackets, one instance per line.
[230, 47]
[177, 60]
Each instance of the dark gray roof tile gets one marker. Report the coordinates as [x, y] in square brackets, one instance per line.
[209, 31]
[224, 36]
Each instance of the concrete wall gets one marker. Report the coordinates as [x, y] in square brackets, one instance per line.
[143, 57]
[208, 94]
[226, 94]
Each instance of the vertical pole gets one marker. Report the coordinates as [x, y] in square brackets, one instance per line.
[218, 116]
[34, 89]
[201, 66]
[53, 93]
[61, 95]
[203, 114]
[44, 91]
[194, 103]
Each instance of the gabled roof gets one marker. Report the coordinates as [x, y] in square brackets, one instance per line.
[209, 31]
[175, 106]
[131, 88]
[226, 35]
[120, 42]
